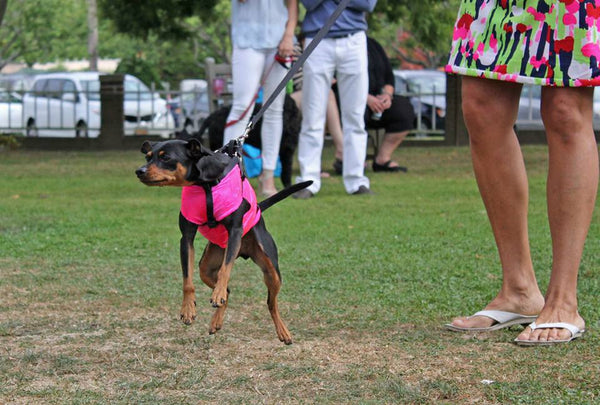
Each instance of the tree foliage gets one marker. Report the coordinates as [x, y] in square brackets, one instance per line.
[175, 36]
[25, 30]
[162, 17]
[415, 32]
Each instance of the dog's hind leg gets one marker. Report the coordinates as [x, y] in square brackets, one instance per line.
[211, 262]
[265, 256]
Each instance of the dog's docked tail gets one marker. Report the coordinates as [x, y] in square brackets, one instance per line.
[286, 192]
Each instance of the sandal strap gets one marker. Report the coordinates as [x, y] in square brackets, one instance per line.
[498, 316]
[556, 325]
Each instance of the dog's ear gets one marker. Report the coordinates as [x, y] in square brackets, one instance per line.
[211, 167]
[147, 147]
[196, 149]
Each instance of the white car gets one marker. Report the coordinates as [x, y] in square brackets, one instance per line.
[427, 92]
[11, 112]
[530, 117]
[68, 104]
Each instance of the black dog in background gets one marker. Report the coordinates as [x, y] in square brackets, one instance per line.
[292, 119]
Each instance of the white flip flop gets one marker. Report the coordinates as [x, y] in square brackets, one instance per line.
[504, 319]
[575, 333]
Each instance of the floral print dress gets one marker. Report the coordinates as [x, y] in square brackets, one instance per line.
[545, 42]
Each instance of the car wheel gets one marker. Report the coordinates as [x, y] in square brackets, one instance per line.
[81, 130]
[31, 130]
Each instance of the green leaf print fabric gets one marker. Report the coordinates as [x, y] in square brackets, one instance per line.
[546, 42]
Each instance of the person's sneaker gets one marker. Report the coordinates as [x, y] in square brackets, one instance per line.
[303, 194]
[363, 190]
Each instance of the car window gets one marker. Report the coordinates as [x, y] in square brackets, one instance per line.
[40, 87]
[135, 90]
[69, 87]
[91, 88]
[6, 97]
[54, 88]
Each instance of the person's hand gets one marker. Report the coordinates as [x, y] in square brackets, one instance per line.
[385, 99]
[379, 103]
[286, 46]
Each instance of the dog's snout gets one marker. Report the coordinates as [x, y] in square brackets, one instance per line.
[141, 171]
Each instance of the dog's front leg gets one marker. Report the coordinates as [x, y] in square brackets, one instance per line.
[186, 251]
[219, 295]
[234, 226]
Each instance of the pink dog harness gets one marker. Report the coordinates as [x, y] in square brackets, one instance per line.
[227, 197]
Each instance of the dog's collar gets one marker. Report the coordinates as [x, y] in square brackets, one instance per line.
[233, 163]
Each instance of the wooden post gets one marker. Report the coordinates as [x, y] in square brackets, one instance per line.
[112, 116]
[456, 131]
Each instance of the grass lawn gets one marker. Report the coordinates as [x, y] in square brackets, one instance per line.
[90, 290]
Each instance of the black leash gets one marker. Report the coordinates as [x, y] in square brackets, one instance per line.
[322, 32]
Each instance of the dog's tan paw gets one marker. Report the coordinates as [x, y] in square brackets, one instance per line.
[214, 329]
[188, 312]
[216, 323]
[284, 335]
[219, 297]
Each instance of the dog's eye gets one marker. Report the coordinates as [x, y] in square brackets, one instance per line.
[148, 158]
[164, 157]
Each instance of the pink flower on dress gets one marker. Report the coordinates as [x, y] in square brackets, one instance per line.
[494, 43]
[593, 15]
[591, 49]
[479, 51]
[536, 15]
[537, 63]
[463, 26]
[569, 19]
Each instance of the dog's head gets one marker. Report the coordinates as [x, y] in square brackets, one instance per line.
[180, 163]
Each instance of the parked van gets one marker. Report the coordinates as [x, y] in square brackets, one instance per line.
[68, 105]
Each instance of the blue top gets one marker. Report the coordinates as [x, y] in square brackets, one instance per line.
[258, 24]
[351, 20]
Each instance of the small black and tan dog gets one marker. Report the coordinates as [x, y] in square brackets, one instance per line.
[218, 201]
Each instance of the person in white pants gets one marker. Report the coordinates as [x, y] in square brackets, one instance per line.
[261, 29]
[342, 52]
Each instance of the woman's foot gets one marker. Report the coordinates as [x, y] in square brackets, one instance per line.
[524, 306]
[389, 166]
[266, 183]
[547, 335]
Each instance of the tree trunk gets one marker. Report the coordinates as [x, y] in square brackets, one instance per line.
[92, 17]
[3, 4]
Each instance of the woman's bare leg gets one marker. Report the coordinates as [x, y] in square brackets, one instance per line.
[490, 109]
[390, 143]
[571, 192]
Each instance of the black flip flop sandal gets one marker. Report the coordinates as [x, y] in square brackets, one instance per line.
[387, 168]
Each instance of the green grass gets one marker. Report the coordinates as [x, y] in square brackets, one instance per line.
[90, 289]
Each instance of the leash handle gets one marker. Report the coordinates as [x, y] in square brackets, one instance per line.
[322, 32]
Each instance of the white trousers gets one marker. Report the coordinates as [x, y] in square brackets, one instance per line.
[347, 57]
[248, 68]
